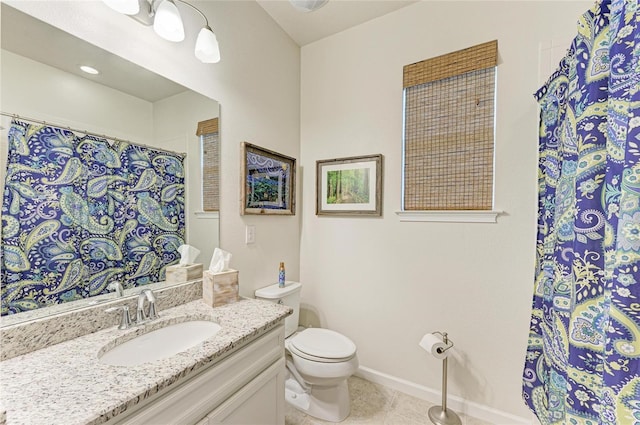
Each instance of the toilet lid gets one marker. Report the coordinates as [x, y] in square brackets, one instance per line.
[323, 343]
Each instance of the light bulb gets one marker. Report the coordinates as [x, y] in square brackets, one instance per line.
[207, 49]
[128, 7]
[167, 22]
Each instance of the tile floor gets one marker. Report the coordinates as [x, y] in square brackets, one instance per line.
[374, 404]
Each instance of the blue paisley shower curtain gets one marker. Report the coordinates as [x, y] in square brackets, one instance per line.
[80, 212]
[583, 360]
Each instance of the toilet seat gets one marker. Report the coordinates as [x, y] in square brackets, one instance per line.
[322, 345]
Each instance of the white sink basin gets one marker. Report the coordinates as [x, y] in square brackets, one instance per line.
[161, 343]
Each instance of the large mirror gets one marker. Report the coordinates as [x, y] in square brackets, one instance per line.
[41, 80]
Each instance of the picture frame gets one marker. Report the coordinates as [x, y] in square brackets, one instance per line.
[349, 186]
[268, 182]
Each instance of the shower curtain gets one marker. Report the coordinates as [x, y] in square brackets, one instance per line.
[80, 212]
[583, 359]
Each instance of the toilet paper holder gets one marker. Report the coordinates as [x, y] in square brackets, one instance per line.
[445, 339]
[440, 415]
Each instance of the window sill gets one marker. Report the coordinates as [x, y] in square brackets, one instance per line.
[207, 214]
[450, 216]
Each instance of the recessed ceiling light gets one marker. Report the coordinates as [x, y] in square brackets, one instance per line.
[89, 69]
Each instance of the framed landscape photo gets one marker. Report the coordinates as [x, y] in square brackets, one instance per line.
[268, 181]
[349, 186]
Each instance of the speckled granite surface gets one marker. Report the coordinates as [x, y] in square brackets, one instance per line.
[66, 384]
[61, 324]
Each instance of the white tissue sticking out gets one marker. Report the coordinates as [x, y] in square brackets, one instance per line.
[220, 261]
[188, 254]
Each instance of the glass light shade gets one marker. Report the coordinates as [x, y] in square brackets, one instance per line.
[207, 49]
[308, 5]
[167, 22]
[127, 7]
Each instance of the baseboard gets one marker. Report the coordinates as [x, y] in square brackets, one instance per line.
[434, 396]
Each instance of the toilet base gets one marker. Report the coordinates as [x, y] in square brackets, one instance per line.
[330, 404]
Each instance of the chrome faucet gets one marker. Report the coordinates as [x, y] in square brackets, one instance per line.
[143, 316]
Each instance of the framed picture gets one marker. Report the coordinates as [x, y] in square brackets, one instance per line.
[268, 182]
[349, 186]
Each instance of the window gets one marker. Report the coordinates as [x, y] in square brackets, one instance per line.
[209, 141]
[449, 104]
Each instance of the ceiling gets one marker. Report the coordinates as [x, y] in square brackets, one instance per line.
[25, 35]
[334, 17]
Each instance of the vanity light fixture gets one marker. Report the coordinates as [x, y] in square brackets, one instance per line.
[165, 17]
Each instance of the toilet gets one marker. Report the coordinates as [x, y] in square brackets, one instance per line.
[319, 361]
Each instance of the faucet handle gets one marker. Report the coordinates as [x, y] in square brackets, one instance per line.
[117, 288]
[125, 319]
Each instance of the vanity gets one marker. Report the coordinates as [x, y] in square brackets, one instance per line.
[234, 377]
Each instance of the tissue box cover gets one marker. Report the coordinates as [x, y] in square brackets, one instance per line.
[220, 288]
[177, 274]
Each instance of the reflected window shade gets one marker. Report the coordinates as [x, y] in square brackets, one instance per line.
[210, 141]
[207, 127]
[449, 133]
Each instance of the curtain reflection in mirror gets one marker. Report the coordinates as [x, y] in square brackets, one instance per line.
[80, 212]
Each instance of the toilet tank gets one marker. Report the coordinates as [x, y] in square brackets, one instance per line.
[289, 296]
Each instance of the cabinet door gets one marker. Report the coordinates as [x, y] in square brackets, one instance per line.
[193, 399]
[260, 402]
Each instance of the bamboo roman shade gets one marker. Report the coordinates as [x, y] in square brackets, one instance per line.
[207, 127]
[449, 130]
[210, 142]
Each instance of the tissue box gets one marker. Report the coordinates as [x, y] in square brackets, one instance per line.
[177, 274]
[220, 288]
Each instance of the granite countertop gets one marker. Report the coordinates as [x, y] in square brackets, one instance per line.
[65, 383]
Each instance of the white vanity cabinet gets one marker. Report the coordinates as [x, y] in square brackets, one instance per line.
[245, 387]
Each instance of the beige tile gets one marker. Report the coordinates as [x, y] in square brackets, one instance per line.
[361, 387]
[469, 420]
[374, 404]
[411, 407]
[293, 416]
[369, 401]
[397, 418]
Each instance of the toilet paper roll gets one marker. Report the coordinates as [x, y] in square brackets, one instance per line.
[434, 345]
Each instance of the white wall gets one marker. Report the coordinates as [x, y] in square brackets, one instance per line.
[175, 122]
[257, 84]
[385, 283]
